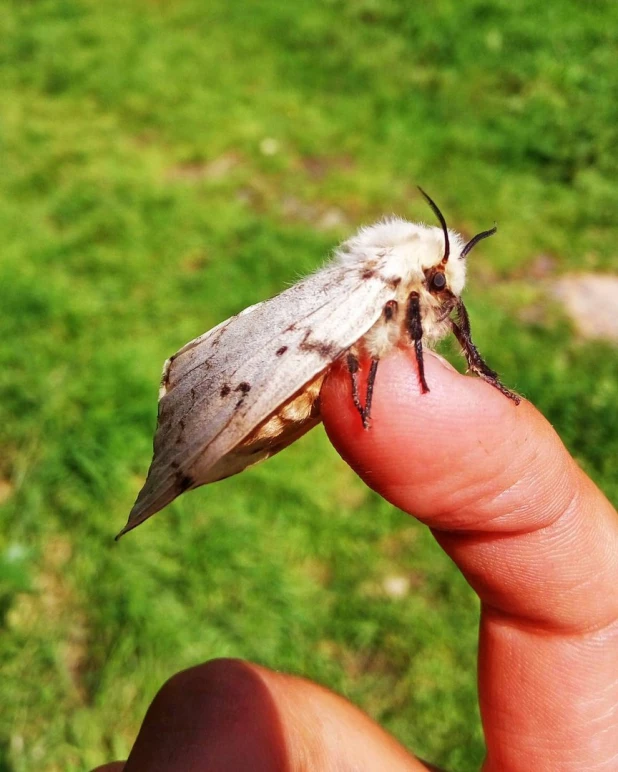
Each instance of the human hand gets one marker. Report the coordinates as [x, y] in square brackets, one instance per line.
[532, 535]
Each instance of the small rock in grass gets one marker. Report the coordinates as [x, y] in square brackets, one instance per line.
[590, 301]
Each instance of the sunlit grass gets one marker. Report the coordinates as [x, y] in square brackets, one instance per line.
[165, 165]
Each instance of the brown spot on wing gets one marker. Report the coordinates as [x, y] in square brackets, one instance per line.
[183, 481]
[326, 349]
[225, 390]
[281, 351]
[243, 387]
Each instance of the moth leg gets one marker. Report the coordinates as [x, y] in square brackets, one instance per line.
[352, 363]
[353, 368]
[373, 371]
[475, 361]
[415, 330]
[447, 308]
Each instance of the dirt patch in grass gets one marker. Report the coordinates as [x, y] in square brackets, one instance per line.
[590, 302]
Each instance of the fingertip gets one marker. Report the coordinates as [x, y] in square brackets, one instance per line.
[422, 449]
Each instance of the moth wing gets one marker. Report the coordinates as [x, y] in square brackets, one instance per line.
[219, 387]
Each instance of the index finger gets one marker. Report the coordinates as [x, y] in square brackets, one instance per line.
[531, 533]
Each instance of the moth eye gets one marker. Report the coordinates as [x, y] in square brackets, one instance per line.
[438, 281]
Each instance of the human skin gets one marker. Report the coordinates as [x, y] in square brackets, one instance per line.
[533, 536]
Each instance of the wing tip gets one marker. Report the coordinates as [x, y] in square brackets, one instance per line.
[136, 517]
[128, 527]
[151, 499]
[121, 533]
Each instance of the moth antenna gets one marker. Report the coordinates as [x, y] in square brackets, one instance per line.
[475, 240]
[440, 216]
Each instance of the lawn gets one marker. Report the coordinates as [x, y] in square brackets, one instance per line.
[165, 164]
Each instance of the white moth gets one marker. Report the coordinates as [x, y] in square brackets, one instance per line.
[246, 389]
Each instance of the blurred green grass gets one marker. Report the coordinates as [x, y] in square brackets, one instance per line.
[165, 164]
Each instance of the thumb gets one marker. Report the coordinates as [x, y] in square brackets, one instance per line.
[475, 467]
[532, 535]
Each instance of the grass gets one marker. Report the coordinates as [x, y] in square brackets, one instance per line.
[165, 164]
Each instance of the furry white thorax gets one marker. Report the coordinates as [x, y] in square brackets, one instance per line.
[406, 250]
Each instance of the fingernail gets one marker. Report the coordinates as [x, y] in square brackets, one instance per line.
[444, 362]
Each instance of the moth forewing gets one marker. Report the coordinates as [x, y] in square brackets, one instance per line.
[250, 386]
[219, 388]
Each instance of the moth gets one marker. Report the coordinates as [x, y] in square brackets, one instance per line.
[250, 387]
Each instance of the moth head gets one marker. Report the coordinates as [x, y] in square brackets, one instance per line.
[423, 258]
[446, 276]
